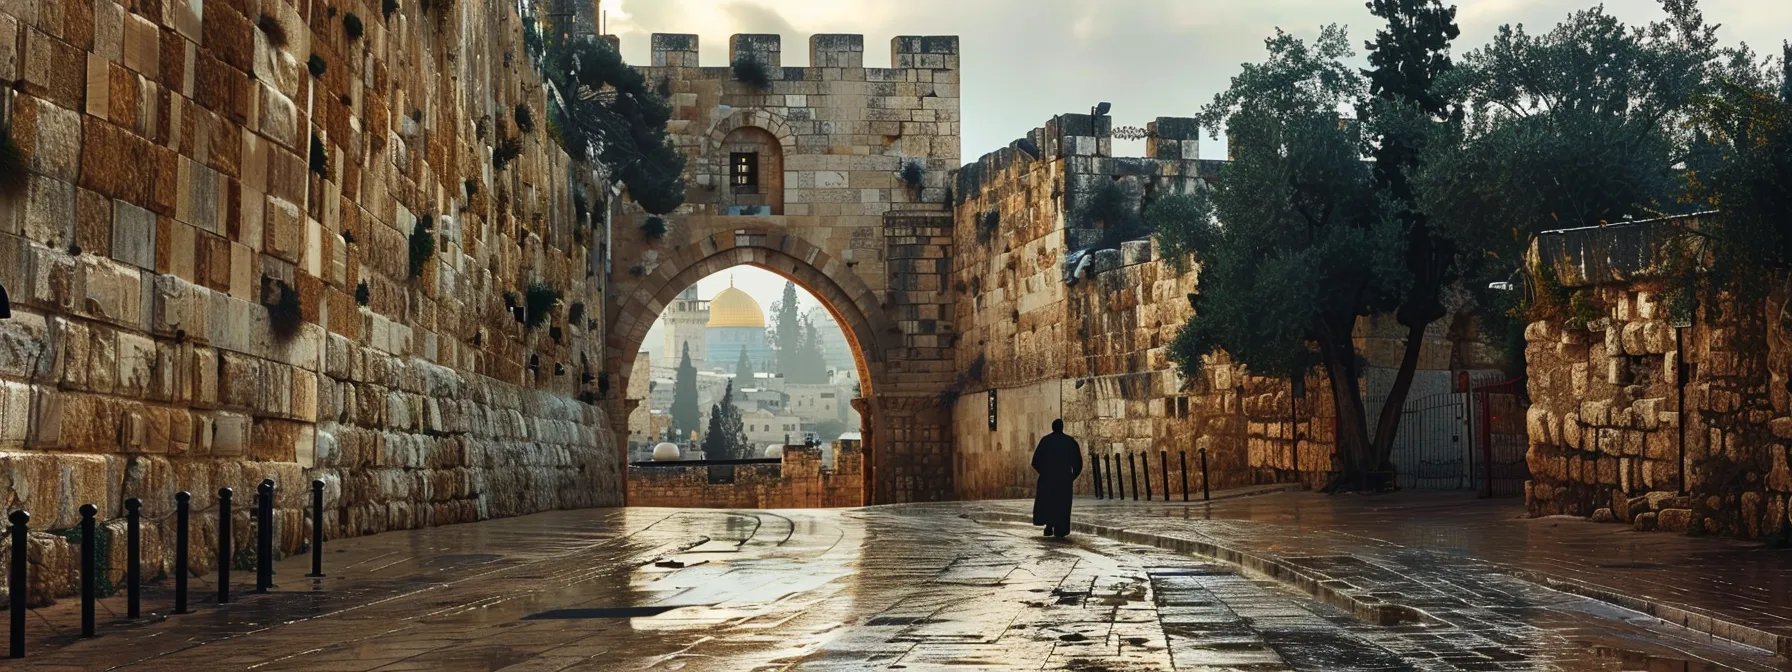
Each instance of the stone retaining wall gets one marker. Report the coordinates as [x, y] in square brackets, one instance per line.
[1638, 421]
[799, 482]
[176, 155]
[1093, 352]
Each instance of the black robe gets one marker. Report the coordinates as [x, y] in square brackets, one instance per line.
[1059, 460]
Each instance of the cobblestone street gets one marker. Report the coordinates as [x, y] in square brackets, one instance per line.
[913, 588]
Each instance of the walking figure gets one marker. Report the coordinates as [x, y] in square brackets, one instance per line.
[1059, 460]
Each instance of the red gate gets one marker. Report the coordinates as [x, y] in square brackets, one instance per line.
[1500, 438]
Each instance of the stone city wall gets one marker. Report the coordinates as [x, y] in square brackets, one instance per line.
[1640, 421]
[831, 210]
[1094, 352]
[185, 164]
[799, 482]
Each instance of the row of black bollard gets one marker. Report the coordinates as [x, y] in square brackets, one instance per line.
[1105, 470]
[20, 532]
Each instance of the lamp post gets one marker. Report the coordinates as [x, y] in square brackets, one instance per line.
[1097, 112]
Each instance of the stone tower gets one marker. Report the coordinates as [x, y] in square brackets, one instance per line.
[686, 319]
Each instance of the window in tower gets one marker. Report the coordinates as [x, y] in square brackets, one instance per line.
[744, 170]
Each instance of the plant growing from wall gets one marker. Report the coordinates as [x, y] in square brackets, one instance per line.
[320, 157]
[752, 72]
[271, 28]
[316, 65]
[285, 315]
[525, 118]
[387, 7]
[575, 313]
[506, 151]
[626, 131]
[988, 225]
[539, 300]
[13, 174]
[472, 187]
[351, 26]
[363, 294]
[423, 244]
[913, 174]
[653, 228]
[1107, 208]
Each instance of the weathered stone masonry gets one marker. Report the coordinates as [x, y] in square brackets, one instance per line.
[1093, 353]
[1627, 405]
[829, 209]
[170, 195]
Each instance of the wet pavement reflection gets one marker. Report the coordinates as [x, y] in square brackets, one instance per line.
[903, 588]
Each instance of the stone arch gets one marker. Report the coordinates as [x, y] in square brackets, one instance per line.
[853, 304]
[771, 122]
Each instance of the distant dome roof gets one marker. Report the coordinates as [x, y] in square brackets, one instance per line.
[734, 308]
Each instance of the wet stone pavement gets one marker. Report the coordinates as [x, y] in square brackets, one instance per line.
[909, 588]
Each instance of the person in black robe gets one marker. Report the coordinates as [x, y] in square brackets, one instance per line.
[1059, 460]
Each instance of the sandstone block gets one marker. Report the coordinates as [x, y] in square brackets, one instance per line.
[1674, 520]
[1644, 522]
[1604, 515]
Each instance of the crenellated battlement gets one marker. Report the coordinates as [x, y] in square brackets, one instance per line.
[828, 50]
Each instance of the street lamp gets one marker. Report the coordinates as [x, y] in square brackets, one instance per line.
[1100, 110]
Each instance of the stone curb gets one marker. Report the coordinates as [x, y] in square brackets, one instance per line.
[1335, 592]
[1686, 617]
[1372, 609]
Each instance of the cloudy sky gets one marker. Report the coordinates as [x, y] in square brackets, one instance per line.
[1026, 60]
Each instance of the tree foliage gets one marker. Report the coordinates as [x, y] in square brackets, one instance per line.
[1308, 243]
[1741, 164]
[1579, 126]
[727, 435]
[743, 368]
[606, 113]
[685, 416]
[796, 341]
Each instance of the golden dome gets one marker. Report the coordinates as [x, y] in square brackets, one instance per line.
[734, 308]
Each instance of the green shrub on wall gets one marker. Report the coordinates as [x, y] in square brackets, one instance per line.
[751, 72]
[423, 244]
[351, 25]
[539, 302]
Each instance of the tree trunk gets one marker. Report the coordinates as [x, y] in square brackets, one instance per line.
[1354, 454]
[1387, 426]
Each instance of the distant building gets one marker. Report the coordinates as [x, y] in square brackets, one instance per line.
[765, 427]
[736, 324]
[816, 404]
[685, 322]
[834, 349]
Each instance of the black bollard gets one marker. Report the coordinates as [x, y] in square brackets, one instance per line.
[317, 528]
[1145, 463]
[224, 559]
[133, 557]
[1095, 473]
[1182, 456]
[19, 589]
[183, 503]
[1205, 493]
[264, 537]
[1107, 475]
[1164, 459]
[89, 552]
[1119, 476]
[1132, 467]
